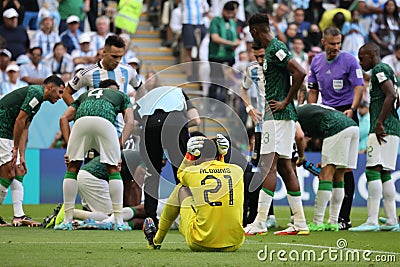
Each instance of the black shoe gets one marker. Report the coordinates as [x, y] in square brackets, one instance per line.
[150, 231]
[50, 220]
[344, 225]
[3, 222]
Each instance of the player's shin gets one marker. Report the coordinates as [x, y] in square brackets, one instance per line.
[321, 201]
[374, 195]
[116, 194]
[336, 202]
[389, 202]
[4, 185]
[17, 191]
[70, 190]
[294, 199]
[264, 202]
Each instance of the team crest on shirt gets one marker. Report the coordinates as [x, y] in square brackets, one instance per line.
[123, 80]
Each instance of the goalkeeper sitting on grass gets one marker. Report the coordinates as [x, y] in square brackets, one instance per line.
[209, 200]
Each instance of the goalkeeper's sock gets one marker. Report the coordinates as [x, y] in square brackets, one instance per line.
[70, 190]
[336, 202]
[374, 195]
[321, 201]
[168, 216]
[264, 202]
[389, 202]
[17, 193]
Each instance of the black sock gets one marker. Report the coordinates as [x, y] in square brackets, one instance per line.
[271, 209]
[348, 196]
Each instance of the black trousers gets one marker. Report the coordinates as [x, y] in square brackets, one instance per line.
[156, 138]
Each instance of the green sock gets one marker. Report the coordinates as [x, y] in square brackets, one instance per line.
[385, 177]
[115, 176]
[372, 175]
[70, 175]
[268, 192]
[19, 178]
[338, 184]
[5, 182]
[294, 194]
[325, 185]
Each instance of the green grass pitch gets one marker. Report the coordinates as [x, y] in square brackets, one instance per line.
[45, 247]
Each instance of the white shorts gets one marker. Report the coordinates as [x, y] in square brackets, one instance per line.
[341, 149]
[277, 137]
[6, 147]
[94, 132]
[94, 192]
[385, 154]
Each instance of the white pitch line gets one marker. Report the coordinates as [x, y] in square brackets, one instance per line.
[174, 243]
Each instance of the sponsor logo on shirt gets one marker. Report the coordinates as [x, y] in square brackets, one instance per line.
[75, 80]
[33, 103]
[381, 77]
[281, 54]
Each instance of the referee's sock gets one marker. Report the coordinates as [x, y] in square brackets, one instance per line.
[348, 196]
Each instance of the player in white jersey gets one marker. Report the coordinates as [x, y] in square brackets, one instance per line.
[107, 68]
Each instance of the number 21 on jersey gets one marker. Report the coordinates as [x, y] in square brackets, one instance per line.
[216, 189]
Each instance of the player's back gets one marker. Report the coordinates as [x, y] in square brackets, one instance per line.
[217, 189]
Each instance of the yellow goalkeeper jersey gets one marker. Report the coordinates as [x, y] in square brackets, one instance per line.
[218, 193]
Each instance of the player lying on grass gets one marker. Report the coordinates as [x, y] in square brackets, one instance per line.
[94, 113]
[209, 200]
[339, 151]
[93, 189]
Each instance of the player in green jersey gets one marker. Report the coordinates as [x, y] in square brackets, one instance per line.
[278, 129]
[94, 113]
[383, 140]
[17, 110]
[339, 151]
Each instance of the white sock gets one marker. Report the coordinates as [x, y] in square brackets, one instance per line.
[3, 193]
[298, 213]
[116, 194]
[373, 201]
[127, 215]
[321, 201]
[84, 214]
[70, 189]
[389, 202]
[264, 202]
[17, 193]
[335, 205]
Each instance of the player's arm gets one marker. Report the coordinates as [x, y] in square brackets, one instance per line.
[129, 126]
[312, 86]
[68, 116]
[298, 75]
[67, 95]
[19, 127]
[390, 97]
[301, 144]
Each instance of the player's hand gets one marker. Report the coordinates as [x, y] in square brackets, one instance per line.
[223, 145]
[14, 156]
[66, 160]
[276, 106]
[194, 145]
[300, 161]
[380, 133]
[255, 115]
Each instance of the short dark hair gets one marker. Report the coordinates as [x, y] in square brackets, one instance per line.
[257, 46]
[331, 30]
[229, 6]
[115, 40]
[59, 44]
[107, 83]
[36, 48]
[54, 79]
[259, 18]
